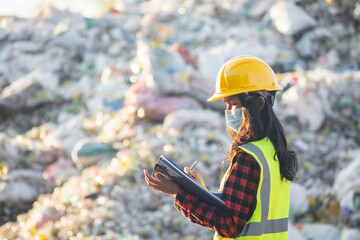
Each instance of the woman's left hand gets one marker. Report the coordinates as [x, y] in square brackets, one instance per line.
[162, 183]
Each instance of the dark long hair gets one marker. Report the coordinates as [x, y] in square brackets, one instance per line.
[259, 124]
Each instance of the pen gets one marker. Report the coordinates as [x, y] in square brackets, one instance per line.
[193, 165]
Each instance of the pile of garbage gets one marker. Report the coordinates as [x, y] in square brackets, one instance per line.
[87, 103]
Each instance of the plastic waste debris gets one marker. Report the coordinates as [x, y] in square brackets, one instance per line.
[201, 89]
[320, 231]
[298, 199]
[354, 51]
[294, 233]
[350, 207]
[8, 152]
[340, 3]
[193, 118]
[77, 90]
[22, 30]
[22, 186]
[70, 40]
[176, 121]
[347, 179]
[134, 82]
[30, 91]
[290, 19]
[300, 99]
[59, 172]
[26, 46]
[185, 54]
[67, 134]
[150, 105]
[17, 192]
[329, 59]
[210, 61]
[164, 69]
[356, 12]
[350, 234]
[325, 209]
[87, 152]
[314, 43]
[3, 34]
[260, 8]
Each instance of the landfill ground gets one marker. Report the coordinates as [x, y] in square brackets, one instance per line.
[89, 99]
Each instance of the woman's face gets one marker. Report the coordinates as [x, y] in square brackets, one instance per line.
[232, 102]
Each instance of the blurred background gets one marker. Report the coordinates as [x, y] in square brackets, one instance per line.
[92, 92]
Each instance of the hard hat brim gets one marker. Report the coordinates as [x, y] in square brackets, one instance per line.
[218, 96]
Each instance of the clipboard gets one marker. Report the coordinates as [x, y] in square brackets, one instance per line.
[165, 166]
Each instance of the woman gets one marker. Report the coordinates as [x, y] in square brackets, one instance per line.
[256, 186]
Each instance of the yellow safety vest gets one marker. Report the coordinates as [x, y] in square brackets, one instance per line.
[270, 218]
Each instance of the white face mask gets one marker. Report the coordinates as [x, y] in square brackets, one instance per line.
[234, 118]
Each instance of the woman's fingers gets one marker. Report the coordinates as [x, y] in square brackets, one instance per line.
[147, 176]
[192, 174]
[153, 184]
[189, 172]
[156, 182]
[150, 180]
[162, 177]
[161, 183]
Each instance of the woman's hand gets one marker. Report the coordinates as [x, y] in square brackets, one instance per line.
[195, 176]
[162, 183]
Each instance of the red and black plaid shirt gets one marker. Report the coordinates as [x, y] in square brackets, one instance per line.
[239, 195]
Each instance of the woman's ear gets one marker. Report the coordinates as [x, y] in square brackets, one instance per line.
[261, 102]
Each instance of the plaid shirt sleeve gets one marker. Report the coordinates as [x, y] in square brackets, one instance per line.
[239, 194]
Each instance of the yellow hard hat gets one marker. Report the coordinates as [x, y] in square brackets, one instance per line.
[243, 74]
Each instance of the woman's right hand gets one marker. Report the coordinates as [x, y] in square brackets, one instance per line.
[195, 176]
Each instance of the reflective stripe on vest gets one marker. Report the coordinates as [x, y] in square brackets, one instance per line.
[264, 227]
